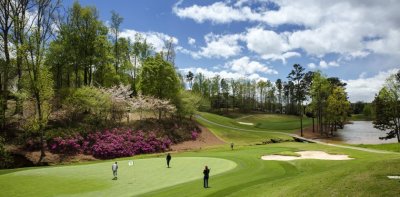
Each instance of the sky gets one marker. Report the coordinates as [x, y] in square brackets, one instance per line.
[355, 40]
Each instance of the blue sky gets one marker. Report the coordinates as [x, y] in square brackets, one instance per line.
[358, 41]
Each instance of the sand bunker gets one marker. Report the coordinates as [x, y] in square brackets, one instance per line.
[307, 155]
[246, 123]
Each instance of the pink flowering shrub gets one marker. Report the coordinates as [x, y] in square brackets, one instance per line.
[111, 143]
[69, 145]
[194, 135]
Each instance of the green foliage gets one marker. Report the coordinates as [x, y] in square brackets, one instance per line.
[5, 157]
[188, 103]
[337, 106]
[158, 78]
[368, 111]
[88, 100]
[387, 108]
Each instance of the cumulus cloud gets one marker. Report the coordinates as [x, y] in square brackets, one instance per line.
[312, 66]
[239, 68]
[156, 39]
[191, 41]
[223, 74]
[342, 27]
[218, 12]
[247, 66]
[217, 46]
[365, 88]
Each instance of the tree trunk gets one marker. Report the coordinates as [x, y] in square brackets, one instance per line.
[313, 128]
[41, 129]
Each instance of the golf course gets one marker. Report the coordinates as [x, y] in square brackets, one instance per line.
[179, 98]
[238, 172]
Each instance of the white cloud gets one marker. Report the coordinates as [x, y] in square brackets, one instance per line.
[364, 89]
[323, 64]
[191, 41]
[223, 74]
[217, 12]
[217, 46]
[249, 67]
[342, 27]
[157, 39]
[312, 66]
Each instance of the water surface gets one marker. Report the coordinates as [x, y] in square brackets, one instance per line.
[361, 132]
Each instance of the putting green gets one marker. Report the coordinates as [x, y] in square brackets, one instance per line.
[96, 179]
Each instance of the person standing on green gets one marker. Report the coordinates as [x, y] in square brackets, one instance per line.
[115, 169]
[232, 146]
[206, 173]
[168, 159]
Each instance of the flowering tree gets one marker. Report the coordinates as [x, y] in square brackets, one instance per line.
[123, 102]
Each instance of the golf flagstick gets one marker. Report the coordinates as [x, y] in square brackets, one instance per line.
[130, 163]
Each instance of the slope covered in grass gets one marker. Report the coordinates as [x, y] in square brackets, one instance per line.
[276, 122]
[230, 131]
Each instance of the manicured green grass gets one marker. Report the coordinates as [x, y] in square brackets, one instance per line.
[96, 179]
[395, 147]
[277, 122]
[241, 172]
[248, 135]
[262, 122]
[363, 176]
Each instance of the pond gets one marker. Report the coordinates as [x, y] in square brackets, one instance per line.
[361, 132]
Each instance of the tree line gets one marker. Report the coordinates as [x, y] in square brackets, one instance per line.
[310, 94]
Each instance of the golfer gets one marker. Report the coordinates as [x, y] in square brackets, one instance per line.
[232, 146]
[115, 169]
[168, 159]
[206, 173]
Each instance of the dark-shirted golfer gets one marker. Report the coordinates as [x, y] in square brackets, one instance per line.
[232, 146]
[115, 169]
[206, 173]
[168, 159]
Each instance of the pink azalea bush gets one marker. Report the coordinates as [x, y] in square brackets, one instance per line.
[111, 143]
[69, 145]
[194, 135]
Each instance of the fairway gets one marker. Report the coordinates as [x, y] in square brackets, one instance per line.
[96, 179]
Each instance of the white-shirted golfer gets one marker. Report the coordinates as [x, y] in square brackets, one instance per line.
[115, 169]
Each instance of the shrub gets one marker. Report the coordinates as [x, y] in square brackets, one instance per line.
[89, 100]
[123, 143]
[194, 135]
[5, 157]
[69, 145]
[32, 144]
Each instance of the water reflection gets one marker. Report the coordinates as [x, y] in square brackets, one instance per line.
[361, 132]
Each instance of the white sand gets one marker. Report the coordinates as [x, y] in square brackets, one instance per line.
[307, 155]
[393, 177]
[246, 123]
